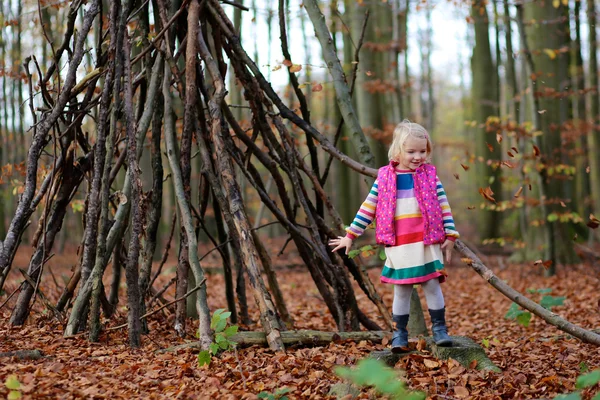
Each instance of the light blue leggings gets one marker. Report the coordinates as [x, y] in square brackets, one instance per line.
[433, 295]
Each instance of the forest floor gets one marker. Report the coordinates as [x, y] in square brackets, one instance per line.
[538, 361]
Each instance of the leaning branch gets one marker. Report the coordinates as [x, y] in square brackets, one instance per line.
[548, 316]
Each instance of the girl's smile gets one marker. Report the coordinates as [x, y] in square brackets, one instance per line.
[414, 153]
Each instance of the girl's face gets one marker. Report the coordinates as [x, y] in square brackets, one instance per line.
[414, 153]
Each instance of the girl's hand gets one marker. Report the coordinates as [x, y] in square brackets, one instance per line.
[448, 245]
[340, 242]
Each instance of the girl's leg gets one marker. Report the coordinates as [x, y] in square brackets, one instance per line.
[400, 313]
[437, 311]
[401, 303]
[433, 294]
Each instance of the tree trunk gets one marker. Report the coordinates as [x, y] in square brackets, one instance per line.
[593, 138]
[70, 179]
[485, 104]
[551, 90]
[227, 177]
[186, 216]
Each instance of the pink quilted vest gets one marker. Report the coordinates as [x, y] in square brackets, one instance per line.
[426, 193]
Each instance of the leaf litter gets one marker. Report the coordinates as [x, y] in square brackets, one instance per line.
[539, 361]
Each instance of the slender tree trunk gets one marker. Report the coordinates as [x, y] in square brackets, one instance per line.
[186, 215]
[226, 256]
[513, 106]
[227, 177]
[485, 104]
[593, 138]
[71, 178]
[582, 181]
[156, 203]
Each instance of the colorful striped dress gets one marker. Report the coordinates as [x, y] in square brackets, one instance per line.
[410, 261]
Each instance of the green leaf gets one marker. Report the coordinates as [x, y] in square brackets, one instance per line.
[282, 391]
[485, 343]
[214, 321]
[371, 372]
[550, 301]
[552, 217]
[14, 395]
[596, 397]
[382, 255]
[265, 395]
[218, 312]
[224, 345]
[513, 311]
[214, 348]
[588, 380]
[203, 358]
[231, 330]
[226, 314]
[219, 338]
[12, 383]
[583, 367]
[524, 319]
[545, 291]
[220, 325]
[353, 253]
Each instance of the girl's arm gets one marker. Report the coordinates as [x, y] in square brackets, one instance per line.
[365, 214]
[449, 227]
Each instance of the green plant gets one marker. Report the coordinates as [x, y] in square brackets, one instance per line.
[524, 317]
[279, 394]
[371, 372]
[583, 381]
[14, 386]
[223, 333]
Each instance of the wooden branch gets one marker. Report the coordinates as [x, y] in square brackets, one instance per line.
[547, 315]
[185, 213]
[338, 132]
[236, 207]
[342, 91]
[294, 338]
[238, 51]
[149, 313]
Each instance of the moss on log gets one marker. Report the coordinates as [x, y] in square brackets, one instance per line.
[464, 350]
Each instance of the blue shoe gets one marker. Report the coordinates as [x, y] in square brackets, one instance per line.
[439, 329]
[400, 336]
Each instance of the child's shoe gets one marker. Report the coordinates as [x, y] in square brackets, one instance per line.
[439, 329]
[400, 336]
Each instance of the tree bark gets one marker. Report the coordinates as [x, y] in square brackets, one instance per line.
[39, 140]
[485, 100]
[186, 215]
[593, 138]
[227, 177]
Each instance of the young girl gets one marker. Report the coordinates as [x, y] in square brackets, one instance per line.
[414, 222]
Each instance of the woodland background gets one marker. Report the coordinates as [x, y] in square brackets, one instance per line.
[156, 150]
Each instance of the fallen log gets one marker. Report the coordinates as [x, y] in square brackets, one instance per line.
[24, 354]
[553, 319]
[295, 338]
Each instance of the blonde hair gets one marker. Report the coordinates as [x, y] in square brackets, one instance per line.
[402, 132]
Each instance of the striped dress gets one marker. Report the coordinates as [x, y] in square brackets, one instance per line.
[410, 261]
